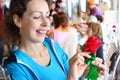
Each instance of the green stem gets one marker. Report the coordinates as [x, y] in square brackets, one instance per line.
[93, 72]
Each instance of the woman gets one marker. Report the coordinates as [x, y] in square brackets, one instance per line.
[52, 11]
[63, 34]
[94, 29]
[94, 9]
[58, 7]
[37, 57]
[2, 5]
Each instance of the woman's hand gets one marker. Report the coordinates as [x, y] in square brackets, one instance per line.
[101, 67]
[77, 65]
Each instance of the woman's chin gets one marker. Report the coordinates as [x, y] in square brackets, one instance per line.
[42, 39]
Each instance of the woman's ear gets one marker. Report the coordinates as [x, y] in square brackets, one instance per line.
[17, 21]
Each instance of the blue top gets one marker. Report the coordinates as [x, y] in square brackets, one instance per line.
[99, 52]
[25, 68]
[54, 68]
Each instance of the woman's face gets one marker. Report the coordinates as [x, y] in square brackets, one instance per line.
[91, 6]
[2, 3]
[53, 6]
[90, 32]
[60, 4]
[35, 21]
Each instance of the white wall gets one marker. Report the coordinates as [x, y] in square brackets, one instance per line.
[8, 3]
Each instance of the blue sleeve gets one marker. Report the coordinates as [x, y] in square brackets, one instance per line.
[15, 72]
[100, 54]
[65, 62]
[63, 57]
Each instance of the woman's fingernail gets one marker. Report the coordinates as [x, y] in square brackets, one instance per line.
[93, 62]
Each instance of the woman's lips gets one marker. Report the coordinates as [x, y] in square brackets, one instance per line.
[41, 32]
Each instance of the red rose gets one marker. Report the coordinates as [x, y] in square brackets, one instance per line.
[92, 44]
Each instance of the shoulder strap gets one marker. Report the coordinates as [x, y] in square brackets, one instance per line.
[11, 58]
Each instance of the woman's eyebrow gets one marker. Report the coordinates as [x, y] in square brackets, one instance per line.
[39, 12]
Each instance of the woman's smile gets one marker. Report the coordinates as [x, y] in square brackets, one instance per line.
[41, 32]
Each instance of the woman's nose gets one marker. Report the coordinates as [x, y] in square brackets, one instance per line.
[45, 21]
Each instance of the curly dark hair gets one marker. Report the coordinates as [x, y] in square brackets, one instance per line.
[11, 33]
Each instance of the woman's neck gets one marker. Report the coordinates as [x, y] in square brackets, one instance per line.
[37, 51]
[66, 29]
[32, 48]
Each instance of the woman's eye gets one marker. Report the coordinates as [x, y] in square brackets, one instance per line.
[47, 16]
[36, 17]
